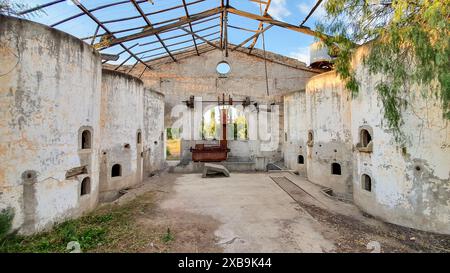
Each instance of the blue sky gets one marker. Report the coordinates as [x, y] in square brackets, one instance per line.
[279, 40]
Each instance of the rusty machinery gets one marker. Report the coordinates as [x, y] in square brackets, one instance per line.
[213, 152]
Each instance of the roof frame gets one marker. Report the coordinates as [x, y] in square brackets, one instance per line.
[185, 23]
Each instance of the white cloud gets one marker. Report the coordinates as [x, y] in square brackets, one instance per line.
[301, 54]
[278, 9]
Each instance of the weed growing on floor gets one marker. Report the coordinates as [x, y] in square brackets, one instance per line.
[168, 237]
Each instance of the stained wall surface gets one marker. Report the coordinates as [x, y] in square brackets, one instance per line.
[154, 153]
[122, 120]
[328, 108]
[197, 76]
[49, 92]
[409, 179]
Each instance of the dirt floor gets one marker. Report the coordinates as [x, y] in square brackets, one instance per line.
[251, 212]
[247, 212]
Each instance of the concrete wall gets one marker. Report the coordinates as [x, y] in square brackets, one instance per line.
[295, 131]
[122, 119]
[49, 90]
[328, 108]
[197, 76]
[410, 182]
[154, 135]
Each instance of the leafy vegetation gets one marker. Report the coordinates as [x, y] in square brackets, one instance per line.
[109, 229]
[14, 8]
[6, 218]
[168, 237]
[410, 45]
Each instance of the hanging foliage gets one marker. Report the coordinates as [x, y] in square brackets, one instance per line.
[409, 44]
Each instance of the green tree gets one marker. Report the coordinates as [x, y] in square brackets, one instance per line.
[169, 133]
[14, 8]
[240, 128]
[409, 44]
[209, 129]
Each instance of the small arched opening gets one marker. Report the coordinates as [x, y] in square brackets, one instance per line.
[86, 140]
[116, 170]
[139, 137]
[300, 159]
[336, 169]
[365, 137]
[85, 186]
[366, 182]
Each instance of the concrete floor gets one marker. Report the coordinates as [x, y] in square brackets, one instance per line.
[256, 215]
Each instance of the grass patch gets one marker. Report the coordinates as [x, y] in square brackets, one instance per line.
[109, 229]
[6, 217]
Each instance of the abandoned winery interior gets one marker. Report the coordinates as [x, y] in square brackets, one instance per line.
[184, 126]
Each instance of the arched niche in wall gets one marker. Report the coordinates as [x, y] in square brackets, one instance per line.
[139, 137]
[366, 182]
[336, 169]
[116, 170]
[85, 138]
[85, 186]
[300, 159]
[365, 143]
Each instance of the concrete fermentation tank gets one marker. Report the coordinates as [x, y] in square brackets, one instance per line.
[49, 116]
[319, 57]
[121, 123]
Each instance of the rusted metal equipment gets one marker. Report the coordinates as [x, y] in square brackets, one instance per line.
[213, 153]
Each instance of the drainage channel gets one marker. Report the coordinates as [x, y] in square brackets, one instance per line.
[298, 194]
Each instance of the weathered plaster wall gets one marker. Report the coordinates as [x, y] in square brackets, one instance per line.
[328, 108]
[410, 182]
[295, 131]
[49, 89]
[154, 136]
[197, 76]
[122, 119]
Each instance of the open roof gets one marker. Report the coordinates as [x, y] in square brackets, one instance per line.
[139, 31]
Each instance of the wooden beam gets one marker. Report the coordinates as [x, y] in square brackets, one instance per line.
[174, 44]
[252, 37]
[150, 13]
[182, 21]
[225, 22]
[95, 35]
[242, 28]
[261, 25]
[269, 20]
[147, 21]
[95, 19]
[221, 24]
[178, 36]
[190, 26]
[200, 37]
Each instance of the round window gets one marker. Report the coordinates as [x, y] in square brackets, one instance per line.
[223, 68]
